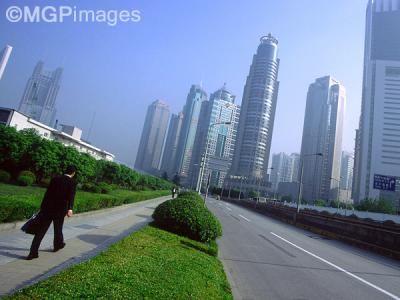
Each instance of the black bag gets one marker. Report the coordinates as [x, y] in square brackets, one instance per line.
[32, 225]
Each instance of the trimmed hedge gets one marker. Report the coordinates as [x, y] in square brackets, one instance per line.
[4, 176]
[20, 207]
[187, 216]
[24, 180]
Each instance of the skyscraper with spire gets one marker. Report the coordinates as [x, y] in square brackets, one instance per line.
[257, 116]
[39, 98]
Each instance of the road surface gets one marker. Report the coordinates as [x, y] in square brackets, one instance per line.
[267, 259]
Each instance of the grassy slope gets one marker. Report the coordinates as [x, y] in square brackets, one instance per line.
[150, 264]
[84, 201]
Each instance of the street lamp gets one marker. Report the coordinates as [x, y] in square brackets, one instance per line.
[205, 162]
[301, 181]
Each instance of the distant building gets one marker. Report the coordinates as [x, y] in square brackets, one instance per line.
[68, 135]
[4, 56]
[39, 98]
[171, 145]
[285, 168]
[215, 138]
[191, 115]
[377, 149]
[288, 189]
[346, 171]
[257, 116]
[322, 133]
[148, 158]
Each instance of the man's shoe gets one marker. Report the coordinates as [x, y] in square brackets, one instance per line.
[59, 247]
[32, 256]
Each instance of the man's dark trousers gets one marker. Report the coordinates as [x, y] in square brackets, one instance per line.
[45, 224]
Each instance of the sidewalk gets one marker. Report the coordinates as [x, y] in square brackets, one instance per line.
[86, 235]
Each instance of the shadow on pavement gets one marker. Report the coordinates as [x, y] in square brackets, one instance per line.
[95, 239]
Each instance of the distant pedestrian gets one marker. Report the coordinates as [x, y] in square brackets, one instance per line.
[173, 191]
[57, 203]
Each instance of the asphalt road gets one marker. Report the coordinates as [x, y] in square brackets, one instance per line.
[267, 259]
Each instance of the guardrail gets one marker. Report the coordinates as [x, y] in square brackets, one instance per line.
[381, 237]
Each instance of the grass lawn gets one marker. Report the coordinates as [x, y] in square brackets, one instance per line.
[149, 264]
[18, 203]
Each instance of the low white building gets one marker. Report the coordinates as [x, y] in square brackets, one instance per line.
[68, 135]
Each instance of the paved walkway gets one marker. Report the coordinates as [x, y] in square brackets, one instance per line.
[86, 235]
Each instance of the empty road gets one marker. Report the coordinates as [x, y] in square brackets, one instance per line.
[267, 259]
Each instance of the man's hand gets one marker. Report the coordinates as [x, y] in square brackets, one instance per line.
[69, 213]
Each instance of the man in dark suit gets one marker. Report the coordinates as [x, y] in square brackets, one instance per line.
[58, 202]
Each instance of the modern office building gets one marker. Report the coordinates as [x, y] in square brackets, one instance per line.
[191, 115]
[68, 135]
[39, 98]
[346, 171]
[322, 133]
[148, 158]
[215, 137]
[257, 115]
[377, 150]
[284, 168]
[171, 145]
[4, 57]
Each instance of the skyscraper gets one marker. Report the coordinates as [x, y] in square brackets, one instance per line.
[171, 145]
[322, 133]
[257, 116]
[191, 114]
[219, 139]
[284, 168]
[39, 98]
[346, 171]
[4, 56]
[148, 157]
[377, 150]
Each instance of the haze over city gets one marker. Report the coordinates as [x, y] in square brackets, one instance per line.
[112, 73]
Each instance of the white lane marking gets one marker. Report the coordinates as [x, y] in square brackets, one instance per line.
[228, 208]
[244, 218]
[339, 268]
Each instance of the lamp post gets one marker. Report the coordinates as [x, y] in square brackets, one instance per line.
[337, 192]
[301, 182]
[205, 162]
[241, 183]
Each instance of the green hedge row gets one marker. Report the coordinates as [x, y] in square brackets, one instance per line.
[188, 216]
[15, 208]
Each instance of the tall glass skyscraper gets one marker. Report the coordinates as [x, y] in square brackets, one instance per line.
[39, 98]
[218, 139]
[148, 158]
[377, 149]
[4, 56]
[171, 145]
[322, 133]
[257, 113]
[191, 114]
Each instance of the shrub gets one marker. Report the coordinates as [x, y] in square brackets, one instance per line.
[187, 217]
[25, 180]
[91, 187]
[4, 176]
[28, 174]
[192, 195]
[12, 209]
[105, 188]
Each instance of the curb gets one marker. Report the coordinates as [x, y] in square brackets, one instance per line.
[18, 224]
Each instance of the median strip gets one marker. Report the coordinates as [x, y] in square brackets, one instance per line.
[338, 268]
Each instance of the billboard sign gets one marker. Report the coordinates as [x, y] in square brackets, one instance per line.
[383, 182]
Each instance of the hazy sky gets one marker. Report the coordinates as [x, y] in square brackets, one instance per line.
[116, 72]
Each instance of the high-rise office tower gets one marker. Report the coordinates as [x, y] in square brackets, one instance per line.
[4, 56]
[191, 114]
[218, 137]
[39, 98]
[346, 171]
[171, 145]
[148, 157]
[284, 168]
[377, 150]
[322, 133]
[257, 115]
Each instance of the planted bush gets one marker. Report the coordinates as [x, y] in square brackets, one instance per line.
[24, 180]
[4, 176]
[189, 217]
[28, 174]
[105, 188]
[91, 187]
